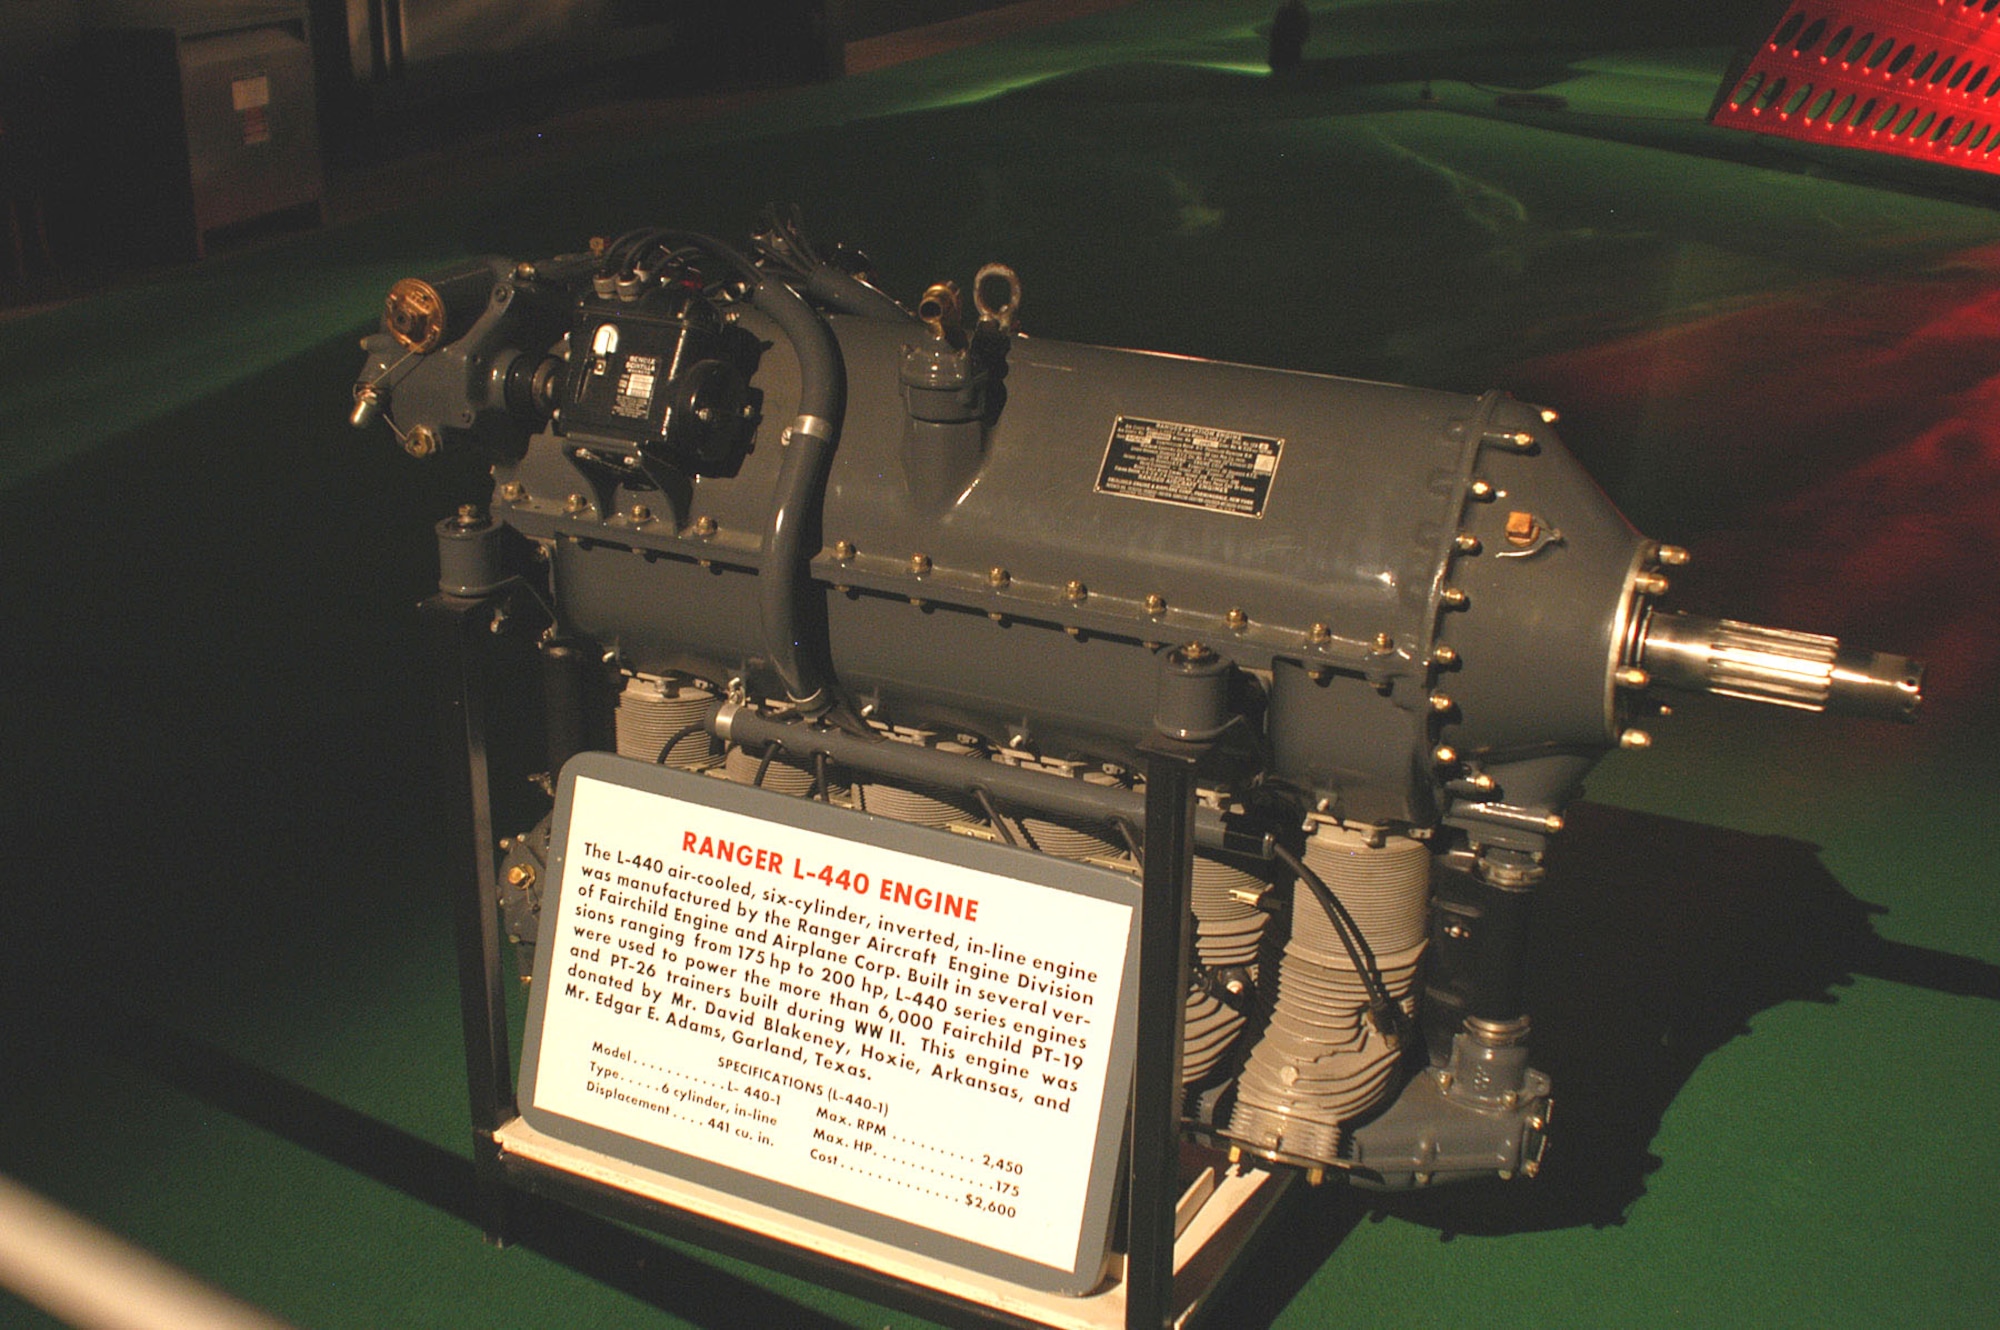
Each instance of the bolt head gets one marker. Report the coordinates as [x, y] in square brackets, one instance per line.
[1321, 634]
[1452, 596]
[574, 504]
[1075, 592]
[1466, 543]
[1237, 620]
[422, 442]
[641, 513]
[1443, 655]
[1482, 489]
[843, 550]
[704, 526]
[920, 564]
[513, 491]
[998, 577]
[1384, 642]
[1156, 604]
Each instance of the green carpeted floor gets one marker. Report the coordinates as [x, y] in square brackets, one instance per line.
[1768, 970]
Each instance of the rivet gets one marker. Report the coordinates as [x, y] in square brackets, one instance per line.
[1452, 596]
[920, 564]
[1320, 634]
[1550, 417]
[1444, 755]
[1075, 591]
[1635, 739]
[1553, 823]
[1443, 655]
[998, 577]
[1384, 642]
[1481, 782]
[1482, 489]
[1671, 555]
[1466, 543]
[1195, 651]
[704, 526]
[513, 491]
[1441, 703]
[574, 504]
[1237, 620]
[843, 550]
[641, 513]
[1156, 604]
[1631, 676]
[1650, 584]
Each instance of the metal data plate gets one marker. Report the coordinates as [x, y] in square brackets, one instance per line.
[919, 1037]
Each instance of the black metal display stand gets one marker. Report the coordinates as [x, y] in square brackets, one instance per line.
[466, 633]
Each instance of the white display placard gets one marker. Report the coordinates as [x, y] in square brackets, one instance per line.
[868, 1023]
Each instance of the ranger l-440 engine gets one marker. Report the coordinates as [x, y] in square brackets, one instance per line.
[912, 561]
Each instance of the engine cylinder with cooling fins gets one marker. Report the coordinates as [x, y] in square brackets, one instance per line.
[652, 711]
[1229, 929]
[1320, 1062]
[775, 772]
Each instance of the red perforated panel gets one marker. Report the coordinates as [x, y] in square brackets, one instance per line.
[1918, 78]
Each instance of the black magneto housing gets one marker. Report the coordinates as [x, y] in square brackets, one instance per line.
[660, 373]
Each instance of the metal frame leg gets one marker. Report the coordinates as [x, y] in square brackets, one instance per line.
[460, 647]
[1163, 980]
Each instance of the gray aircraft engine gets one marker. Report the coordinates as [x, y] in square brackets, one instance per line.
[918, 563]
